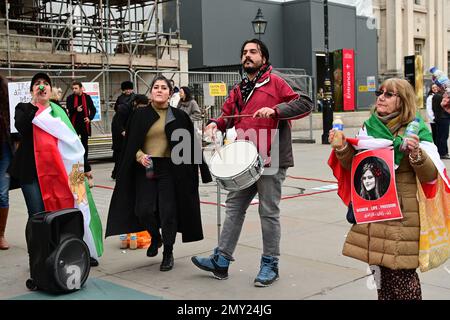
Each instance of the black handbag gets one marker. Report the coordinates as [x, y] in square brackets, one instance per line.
[350, 214]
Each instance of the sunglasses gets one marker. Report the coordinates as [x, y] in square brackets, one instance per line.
[387, 94]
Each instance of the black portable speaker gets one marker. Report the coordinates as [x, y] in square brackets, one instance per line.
[59, 258]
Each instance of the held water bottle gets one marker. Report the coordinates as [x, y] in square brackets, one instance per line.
[440, 77]
[412, 128]
[338, 127]
[149, 170]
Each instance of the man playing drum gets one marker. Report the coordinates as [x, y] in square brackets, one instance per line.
[260, 108]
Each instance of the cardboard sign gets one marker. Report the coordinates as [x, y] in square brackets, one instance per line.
[374, 194]
[93, 89]
[217, 89]
[363, 89]
[18, 92]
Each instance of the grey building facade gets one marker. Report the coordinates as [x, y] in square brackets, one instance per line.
[216, 30]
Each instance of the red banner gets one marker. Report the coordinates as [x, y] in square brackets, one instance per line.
[374, 194]
[348, 64]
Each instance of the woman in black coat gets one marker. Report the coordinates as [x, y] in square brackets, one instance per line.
[161, 137]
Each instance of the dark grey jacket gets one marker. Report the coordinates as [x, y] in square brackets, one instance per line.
[191, 108]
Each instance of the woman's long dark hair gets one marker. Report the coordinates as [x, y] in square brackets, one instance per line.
[187, 94]
[375, 193]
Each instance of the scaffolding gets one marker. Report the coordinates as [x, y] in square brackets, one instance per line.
[70, 39]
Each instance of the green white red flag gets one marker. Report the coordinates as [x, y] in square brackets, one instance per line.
[59, 163]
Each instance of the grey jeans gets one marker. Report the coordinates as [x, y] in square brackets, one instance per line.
[268, 189]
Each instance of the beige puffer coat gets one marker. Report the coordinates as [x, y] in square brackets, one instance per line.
[392, 244]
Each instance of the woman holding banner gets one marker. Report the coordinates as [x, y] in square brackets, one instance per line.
[393, 246]
[49, 161]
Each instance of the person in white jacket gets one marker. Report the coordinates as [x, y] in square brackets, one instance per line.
[434, 89]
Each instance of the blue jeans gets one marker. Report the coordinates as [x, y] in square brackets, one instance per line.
[33, 197]
[4, 176]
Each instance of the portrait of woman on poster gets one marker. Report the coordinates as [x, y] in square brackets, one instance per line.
[373, 181]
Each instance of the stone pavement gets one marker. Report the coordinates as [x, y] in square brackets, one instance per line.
[311, 263]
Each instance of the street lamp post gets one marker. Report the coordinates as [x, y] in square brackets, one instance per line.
[259, 24]
[327, 109]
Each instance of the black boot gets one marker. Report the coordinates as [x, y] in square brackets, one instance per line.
[167, 262]
[93, 262]
[156, 243]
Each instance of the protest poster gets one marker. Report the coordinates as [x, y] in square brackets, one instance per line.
[374, 193]
[93, 89]
[17, 92]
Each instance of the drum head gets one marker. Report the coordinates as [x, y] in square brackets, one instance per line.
[234, 158]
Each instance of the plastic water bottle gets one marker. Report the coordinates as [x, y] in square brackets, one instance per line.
[338, 125]
[133, 241]
[149, 170]
[123, 241]
[412, 128]
[440, 77]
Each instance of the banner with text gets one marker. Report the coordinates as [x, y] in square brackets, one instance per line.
[93, 89]
[17, 92]
[374, 193]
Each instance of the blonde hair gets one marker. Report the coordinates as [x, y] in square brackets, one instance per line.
[407, 97]
[56, 94]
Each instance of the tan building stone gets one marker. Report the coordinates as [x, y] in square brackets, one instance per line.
[408, 27]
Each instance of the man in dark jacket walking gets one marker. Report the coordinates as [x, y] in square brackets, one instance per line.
[81, 112]
[261, 105]
[442, 121]
[122, 110]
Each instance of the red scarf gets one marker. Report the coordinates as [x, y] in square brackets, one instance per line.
[85, 109]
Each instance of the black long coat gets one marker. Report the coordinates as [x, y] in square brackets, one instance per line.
[123, 110]
[122, 217]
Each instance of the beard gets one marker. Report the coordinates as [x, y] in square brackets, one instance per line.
[251, 70]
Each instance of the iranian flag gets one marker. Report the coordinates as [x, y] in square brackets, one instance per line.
[59, 163]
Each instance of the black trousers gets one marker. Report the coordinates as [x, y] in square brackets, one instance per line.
[442, 135]
[434, 132]
[84, 140]
[156, 205]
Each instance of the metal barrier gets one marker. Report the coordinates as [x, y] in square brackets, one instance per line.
[297, 78]
[100, 147]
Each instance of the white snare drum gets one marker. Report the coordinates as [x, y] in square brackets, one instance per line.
[237, 165]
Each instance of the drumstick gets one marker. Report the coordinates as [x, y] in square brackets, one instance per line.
[237, 116]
